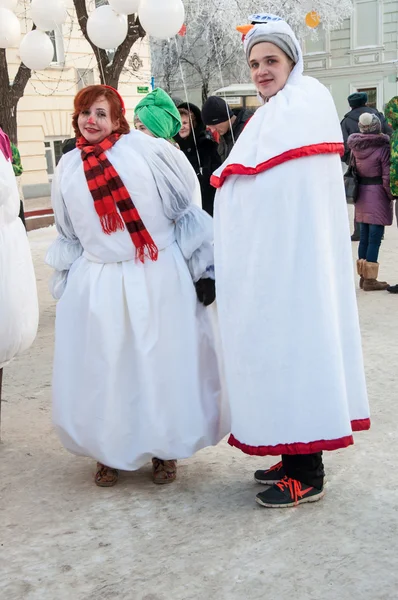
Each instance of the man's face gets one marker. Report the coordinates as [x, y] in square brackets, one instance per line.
[220, 128]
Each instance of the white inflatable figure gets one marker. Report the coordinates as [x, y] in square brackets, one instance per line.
[19, 311]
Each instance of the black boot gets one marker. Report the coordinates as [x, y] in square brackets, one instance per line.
[393, 289]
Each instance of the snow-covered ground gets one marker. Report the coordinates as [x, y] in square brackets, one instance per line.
[203, 537]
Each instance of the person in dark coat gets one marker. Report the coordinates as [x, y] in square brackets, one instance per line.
[374, 205]
[349, 125]
[200, 149]
[68, 145]
[228, 123]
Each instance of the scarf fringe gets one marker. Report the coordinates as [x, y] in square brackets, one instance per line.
[149, 250]
[111, 223]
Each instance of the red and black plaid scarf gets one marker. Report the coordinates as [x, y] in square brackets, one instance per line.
[108, 191]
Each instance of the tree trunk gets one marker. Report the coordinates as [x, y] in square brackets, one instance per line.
[110, 72]
[10, 95]
[205, 91]
[8, 121]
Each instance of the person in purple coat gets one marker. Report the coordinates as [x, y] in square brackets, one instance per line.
[374, 206]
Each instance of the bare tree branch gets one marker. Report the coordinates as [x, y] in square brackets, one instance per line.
[110, 71]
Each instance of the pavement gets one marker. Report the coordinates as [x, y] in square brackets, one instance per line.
[202, 537]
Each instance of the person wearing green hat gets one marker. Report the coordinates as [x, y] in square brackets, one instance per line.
[157, 115]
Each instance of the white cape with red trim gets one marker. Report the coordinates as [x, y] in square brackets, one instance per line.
[285, 285]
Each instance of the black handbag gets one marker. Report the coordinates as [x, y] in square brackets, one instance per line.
[351, 181]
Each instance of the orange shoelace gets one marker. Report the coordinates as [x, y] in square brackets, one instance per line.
[276, 467]
[295, 488]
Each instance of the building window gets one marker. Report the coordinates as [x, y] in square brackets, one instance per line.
[99, 3]
[53, 148]
[58, 43]
[372, 96]
[367, 26]
[316, 46]
[85, 77]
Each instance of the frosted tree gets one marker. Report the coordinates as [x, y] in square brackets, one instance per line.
[211, 49]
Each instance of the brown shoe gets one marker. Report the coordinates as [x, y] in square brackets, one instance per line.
[106, 476]
[360, 265]
[164, 471]
[370, 272]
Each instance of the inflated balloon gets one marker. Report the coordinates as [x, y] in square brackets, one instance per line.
[161, 18]
[312, 19]
[107, 29]
[10, 4]
[36, 50]
[47, 15]
[124, 7]
[10, 29]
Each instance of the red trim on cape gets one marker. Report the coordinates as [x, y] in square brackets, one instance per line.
[301, 447]
[237, 169]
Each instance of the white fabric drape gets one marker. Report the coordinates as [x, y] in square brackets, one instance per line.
[285, 287]
[19, 310]
[136, 372]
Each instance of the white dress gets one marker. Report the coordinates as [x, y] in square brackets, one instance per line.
[19, 309]
[285, 286]
[135, 370]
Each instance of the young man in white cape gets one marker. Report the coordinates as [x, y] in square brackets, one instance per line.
[285, 287]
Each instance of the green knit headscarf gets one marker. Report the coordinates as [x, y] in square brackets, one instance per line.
[159, 114]
[391, 114]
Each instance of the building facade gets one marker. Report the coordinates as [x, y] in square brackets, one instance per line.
[44, 113]
[361, 56]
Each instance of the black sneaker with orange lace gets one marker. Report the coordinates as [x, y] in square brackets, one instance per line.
[289, 492]
[270, 476]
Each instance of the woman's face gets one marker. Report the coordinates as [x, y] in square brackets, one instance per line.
[141, 127]
[95, 123]
[185, 127]
[270, 68]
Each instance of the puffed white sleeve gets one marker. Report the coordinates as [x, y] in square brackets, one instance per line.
[179, 189]
[66, 248]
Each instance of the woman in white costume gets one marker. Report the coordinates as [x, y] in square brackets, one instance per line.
[135, 373]
[19, 309]
[285, 287]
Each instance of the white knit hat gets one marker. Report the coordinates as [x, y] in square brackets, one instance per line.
[369, 123]
[269, 28]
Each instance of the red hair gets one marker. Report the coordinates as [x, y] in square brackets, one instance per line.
[86, 98]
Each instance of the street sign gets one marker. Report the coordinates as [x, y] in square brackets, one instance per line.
[233, 99]
[142, 89]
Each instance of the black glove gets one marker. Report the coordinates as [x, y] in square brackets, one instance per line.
[206, 291]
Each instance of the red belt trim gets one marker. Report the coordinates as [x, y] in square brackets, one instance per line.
[301, 447]
[236, 169]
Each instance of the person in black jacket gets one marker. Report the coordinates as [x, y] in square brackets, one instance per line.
[228, 123]
[200, 149]
[68, 145]
[350, 125]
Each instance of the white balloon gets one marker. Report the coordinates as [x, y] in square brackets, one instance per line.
[36, 50]
[48, 14]
[106, 29]
[10, 4]
[161, 18]
[124, 7]
[10, 29]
